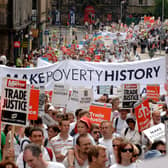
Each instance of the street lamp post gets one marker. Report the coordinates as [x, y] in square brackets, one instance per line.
[162, 10]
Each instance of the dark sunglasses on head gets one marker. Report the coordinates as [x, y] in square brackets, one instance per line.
[135, 155]
[115, 145]
[127, 150]
[96, 132]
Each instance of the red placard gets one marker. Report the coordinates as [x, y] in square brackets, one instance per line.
[99, 113]
[147, 18]
[153, 92]
[143, 115]
[33, 104]
[16, 44]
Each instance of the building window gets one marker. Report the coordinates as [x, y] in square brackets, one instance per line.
[34, 4]
[140, 2]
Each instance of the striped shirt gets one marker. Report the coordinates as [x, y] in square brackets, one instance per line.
[61, 146]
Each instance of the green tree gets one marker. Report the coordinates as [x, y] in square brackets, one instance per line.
[158, 8]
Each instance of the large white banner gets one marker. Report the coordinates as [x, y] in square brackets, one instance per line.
[80, 73]
[41, 62]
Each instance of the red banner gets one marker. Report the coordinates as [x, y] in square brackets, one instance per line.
[153, 92]
[142, 112]
[33, 104]
[89, 12]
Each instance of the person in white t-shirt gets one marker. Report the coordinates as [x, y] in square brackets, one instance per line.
[119, 122]
[34, 158]
[130, 133]
[107, 131]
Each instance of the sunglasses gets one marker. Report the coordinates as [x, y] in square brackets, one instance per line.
[115, 145]
[96, 132]
[127, 150]
[136, 155]
[162, 151]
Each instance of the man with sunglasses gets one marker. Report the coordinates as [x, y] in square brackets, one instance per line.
[95, 132]
[158, 149]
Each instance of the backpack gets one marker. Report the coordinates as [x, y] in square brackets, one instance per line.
[116, 123]
[17, 139]
[21, 145]
[126, 130]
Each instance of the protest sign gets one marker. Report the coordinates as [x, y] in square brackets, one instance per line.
[48, 120]
[100, 112]
[156, 132]
[42, 97]
[80, 98]
[33, 104]
[73, 102]
[85, 97]
[15, 99]
[142, 112]
[60, 95]
[105, 89]
[131, 94]
[153, 92]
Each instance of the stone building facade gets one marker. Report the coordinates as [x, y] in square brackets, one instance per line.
[15, 18]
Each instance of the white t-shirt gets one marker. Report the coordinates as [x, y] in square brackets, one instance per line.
[132, 136]
[121, 124]
[107, 143]
[55, 165]
[133, 165]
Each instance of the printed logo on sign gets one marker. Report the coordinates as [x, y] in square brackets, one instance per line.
[130, 86]
[16, 84]
[14, 116]
[143, 112]
[85, 92]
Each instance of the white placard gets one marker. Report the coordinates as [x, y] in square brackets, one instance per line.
[156, 132]
[60, 95]
[80, 98]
